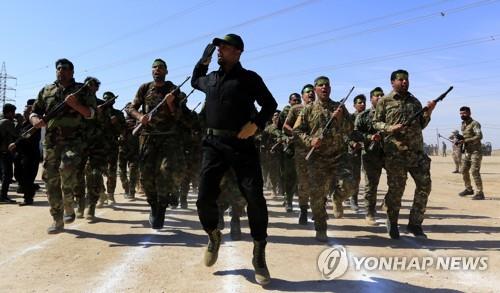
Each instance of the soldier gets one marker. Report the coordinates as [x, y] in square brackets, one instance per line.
[372, 155]
[472, 135]
[112, 132]
[128, 156]
[63, 140]
[93, 157]
[270, 136]
[444, 149]
[161, 157]
[355, 148]
[330, 159]
[8, 136]
[28, 158]
[404, 152]
[300, 151]
[288, 171]
[231, 124]
[456, 151]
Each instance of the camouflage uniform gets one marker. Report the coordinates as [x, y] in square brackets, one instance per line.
[63, 146]
[471, 130]
[162, 160]
[113, 130]
[128, 155]
[355, 158]
[288, 171]
[404, 153]
[456, 152]
[329, 161]
[372, 157]
[269, 138]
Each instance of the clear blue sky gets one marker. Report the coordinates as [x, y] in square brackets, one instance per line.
[289, 43]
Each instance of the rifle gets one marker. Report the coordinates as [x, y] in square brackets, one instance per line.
[186, 97]
[107, 103]
[439, 135]
[328, 123]
[424, 109]
[58, 109]
[160, 104]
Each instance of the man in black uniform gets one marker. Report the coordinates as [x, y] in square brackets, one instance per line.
[231, 93]
[8, 135]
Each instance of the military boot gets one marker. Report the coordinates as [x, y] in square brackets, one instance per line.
[111, 198]
[153, 212]
[321, 228]
[478, 196]
[303, 215]
[212, 252]
[338, 209]
[220, 223]
[159, 220]
[370, 217]
[81, 208]
[56, 227]
[69, 215]
[392, 224]
[466, 192]
[235, 228]
[289, 206]
[102, 200]
[416, 230]
[262, 275]
[91, 212]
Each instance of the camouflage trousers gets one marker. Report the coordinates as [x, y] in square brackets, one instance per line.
[303, 182]
[355, 159]
[60, 173]
[372, 167]
[288, 176]
[90, 173]
[472, 162]
[110, 169]
[230, 195]
[191, 175]
[457, 159]
[323, 170]
[162, 165]
[128, 179]
[418, 165]
[274, 173]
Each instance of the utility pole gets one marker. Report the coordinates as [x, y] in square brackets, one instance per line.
[3, 86]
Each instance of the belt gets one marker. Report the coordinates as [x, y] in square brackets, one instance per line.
[222, 132]
[153, 133]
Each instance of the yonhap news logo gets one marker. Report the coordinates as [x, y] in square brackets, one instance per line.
[333, 262]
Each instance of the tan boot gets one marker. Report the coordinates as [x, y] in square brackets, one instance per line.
[212, 252]
[56, 227]
[262, 276]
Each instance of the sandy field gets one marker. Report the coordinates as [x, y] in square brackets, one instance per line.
[119, 252]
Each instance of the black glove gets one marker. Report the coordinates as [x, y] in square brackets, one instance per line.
[207, 54]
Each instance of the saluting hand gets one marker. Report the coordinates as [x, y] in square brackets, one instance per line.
[247, 130]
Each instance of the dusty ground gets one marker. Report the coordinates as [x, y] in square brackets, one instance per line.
[120, 253]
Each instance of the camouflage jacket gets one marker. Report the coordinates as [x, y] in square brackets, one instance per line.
[394, 109]
[69, 123]
[364, 126]
[293, 114]
[471, 130]
[313, 119]
[163, 122]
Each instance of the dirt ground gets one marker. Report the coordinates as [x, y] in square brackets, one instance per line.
[120, 253]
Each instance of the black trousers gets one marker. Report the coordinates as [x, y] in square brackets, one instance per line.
[25, 172]
[220, 154]
[7, 161]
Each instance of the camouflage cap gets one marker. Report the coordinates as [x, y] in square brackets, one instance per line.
[230, 39]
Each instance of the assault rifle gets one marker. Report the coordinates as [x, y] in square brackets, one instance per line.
[160, 104]
[56, 111]
[329, 123]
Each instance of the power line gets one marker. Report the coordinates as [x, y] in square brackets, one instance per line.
[3, 85]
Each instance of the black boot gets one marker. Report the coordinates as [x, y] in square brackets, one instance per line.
[303, 215]
[392, 224]
[153, 213]
[235, 232]
[416, 230]
[262, 275]
[160, 217]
